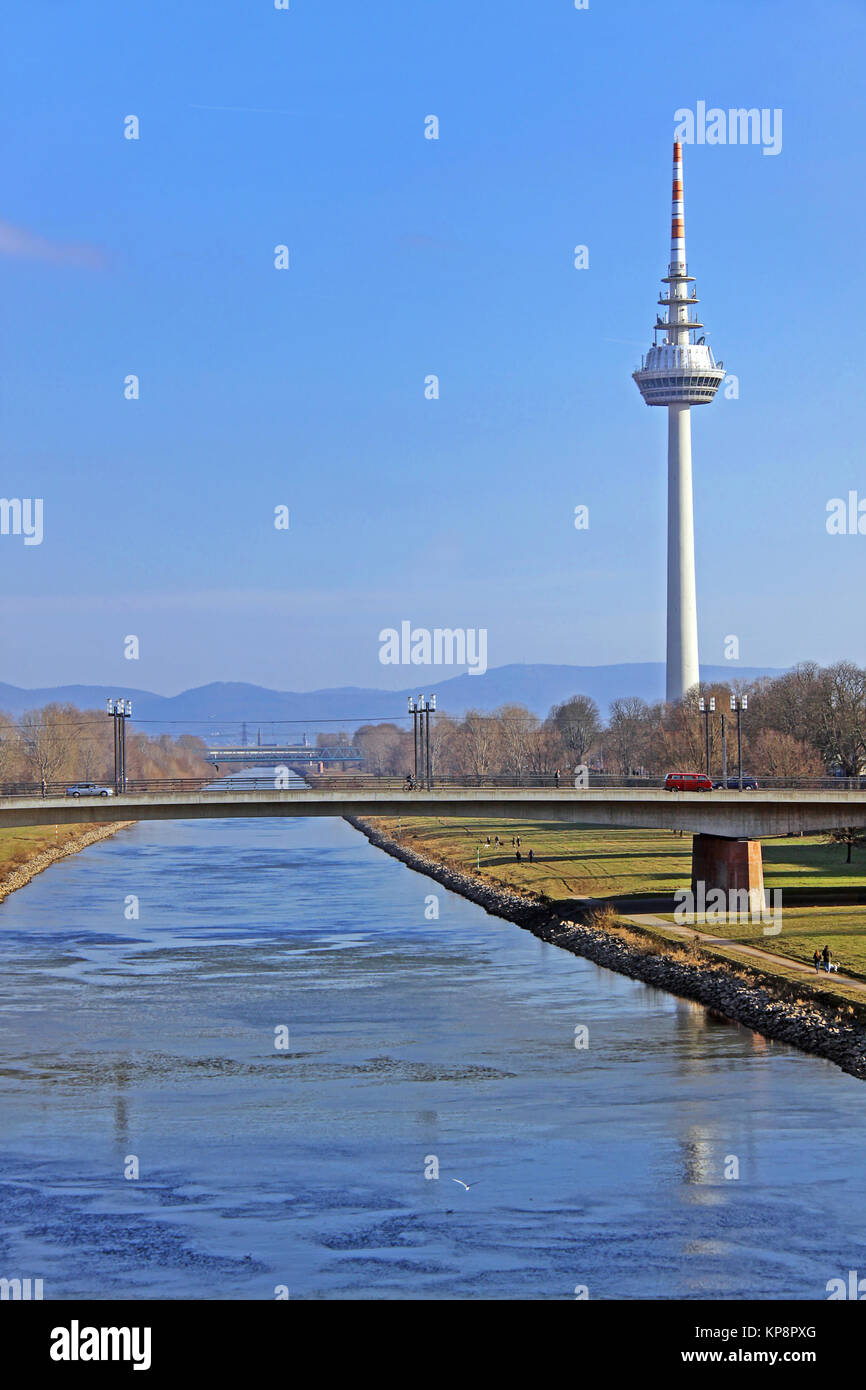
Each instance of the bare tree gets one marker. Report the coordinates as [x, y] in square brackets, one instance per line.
[633, 729]
[474, 743]
[849, 835]
[578, 724]
[779, 755]
[49, 741]
[385, 749]
[841, 733]
[516, 728]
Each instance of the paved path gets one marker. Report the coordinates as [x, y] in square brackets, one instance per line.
[646, 919]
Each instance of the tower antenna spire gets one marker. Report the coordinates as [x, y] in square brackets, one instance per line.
[678, 216]
[679, 372]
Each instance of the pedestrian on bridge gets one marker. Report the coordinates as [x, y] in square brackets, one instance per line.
[556, 776]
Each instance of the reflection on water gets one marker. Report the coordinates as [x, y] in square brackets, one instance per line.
[408, 1040]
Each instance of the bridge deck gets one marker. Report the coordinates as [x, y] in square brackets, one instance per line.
[752, 815]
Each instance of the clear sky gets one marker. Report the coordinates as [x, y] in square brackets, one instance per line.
[408, 257]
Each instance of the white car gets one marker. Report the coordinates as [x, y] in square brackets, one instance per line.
[88, 789]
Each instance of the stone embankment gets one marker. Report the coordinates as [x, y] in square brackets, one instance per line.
[23, 873]
[768, 1005]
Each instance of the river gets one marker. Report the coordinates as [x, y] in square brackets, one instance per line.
[413, 1042]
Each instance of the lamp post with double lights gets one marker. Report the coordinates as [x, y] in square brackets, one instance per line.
[414, 713]
[738, 704]
[119, 710]
[707, 707]
[429, 708]
[420, 710]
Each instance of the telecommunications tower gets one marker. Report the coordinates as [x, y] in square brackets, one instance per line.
[679, 372]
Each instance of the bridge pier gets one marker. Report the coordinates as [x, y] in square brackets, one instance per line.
[719, 862]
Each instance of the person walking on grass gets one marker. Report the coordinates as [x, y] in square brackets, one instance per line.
[530, 856]
[816, 959]
[825, 956]
[517, 856]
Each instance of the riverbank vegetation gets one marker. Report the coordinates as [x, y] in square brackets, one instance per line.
[24, 842]
[60, 743]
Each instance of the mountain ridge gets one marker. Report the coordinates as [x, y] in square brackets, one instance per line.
[536, 685]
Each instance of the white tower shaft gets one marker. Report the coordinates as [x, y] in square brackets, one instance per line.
[682, 647]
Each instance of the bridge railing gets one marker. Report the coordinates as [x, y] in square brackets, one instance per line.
[565, 783]
[351, 782]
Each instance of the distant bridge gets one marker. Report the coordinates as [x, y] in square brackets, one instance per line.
[292, 754]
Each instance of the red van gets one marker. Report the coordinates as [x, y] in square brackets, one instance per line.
[688, 782]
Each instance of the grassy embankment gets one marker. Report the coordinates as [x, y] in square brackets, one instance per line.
[572, 863]
[24, 842]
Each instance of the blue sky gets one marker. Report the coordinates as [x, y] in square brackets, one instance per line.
[409, 257]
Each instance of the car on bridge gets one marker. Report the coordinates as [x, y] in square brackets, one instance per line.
[687, 782]
[750, 784]
[88, 789]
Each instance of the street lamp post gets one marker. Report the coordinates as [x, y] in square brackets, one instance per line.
[738, 704]
[724, 756]
[119, 710]
[706, 710]
[414, 713]
[429, 709]
[420, 710]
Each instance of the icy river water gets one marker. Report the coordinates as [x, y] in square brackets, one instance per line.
[674, 1156]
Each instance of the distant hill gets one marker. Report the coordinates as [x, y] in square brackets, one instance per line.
[223, 705]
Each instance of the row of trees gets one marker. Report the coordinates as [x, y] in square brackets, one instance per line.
[805, 723]
[62, 743]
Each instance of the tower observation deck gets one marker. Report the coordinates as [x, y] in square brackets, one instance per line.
[679, 372]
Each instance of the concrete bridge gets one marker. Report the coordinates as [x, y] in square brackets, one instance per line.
[728, 826]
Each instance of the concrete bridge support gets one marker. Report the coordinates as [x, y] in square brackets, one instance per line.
[719, 862]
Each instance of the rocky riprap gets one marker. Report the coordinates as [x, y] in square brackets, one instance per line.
[763, 1004]
[22, 873]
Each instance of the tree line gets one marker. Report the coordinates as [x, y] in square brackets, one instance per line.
[61, 743]
[808, 722]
